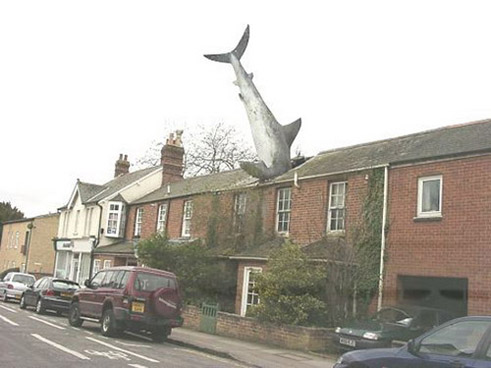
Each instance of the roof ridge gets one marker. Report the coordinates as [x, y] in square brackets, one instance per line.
[447, 127]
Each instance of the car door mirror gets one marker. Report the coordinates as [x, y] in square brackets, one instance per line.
[412, 347]
[87, 283]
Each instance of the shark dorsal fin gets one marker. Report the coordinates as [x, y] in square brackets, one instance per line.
[291, 130]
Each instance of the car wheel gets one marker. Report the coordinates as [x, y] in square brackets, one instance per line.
[39, 306]
[160, 335]
[109, 325]
[74, 315]
[22, 304]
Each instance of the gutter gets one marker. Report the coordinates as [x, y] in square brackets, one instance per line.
[382, 243]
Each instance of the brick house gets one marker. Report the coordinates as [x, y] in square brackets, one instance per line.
[439, 221]
[27, 244]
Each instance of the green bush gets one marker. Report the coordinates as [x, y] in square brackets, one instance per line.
[202, 278]
[290, 290]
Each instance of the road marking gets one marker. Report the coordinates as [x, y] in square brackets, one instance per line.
[109, 354]
[48, 323]
[133, 345]
[124, 351]
[137, 366]
[61, 347]
[9, 321]
[10, 310]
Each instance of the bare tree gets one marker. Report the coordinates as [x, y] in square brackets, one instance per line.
[208, 150]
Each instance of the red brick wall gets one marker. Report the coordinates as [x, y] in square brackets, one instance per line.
[455, 246]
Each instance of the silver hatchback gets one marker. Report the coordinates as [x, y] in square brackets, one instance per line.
[14, 284]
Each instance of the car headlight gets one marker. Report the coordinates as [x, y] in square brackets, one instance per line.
[370, 336]
[337, 330]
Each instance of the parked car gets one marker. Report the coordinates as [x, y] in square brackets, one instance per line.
[462, 342]
[14, 284]
[49, 293]
[129, 298]
[389, 324]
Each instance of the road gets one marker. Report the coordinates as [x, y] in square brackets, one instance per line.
[29, 340]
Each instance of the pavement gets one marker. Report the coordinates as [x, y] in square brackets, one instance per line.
[250, 354]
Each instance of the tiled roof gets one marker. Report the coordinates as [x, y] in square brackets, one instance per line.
[88, 190]
[439, 143]
[227, 180]
[122, 181]
[122, 247]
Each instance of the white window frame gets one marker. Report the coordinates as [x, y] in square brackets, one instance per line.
[240, 204]
[107, 264]
[187, 215]
[77, 220]
[283, 208]
[119, 215]
[421, 181]
[16, 244]
[337, 207]
[245, 289]
[162, 217]
[138, 221]
[96, 267]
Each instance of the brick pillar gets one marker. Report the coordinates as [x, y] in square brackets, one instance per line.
[122, 166]
[172, 158]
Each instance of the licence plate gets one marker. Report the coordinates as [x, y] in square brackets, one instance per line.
[138, 307]
[347, 342]
[66, 295]
[17, 296]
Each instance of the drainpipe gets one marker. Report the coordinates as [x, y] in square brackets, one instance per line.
[96, 242]
[382, 245]
[31, 227]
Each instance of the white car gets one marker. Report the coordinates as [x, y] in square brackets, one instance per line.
[14, 284]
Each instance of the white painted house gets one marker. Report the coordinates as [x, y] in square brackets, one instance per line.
[95, 215]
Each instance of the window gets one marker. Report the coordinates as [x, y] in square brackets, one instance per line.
[162, 216]
[16, 244]
[97, 266]
[337, 206]
[107, 263]
[186, 219]
[138, 221]
[283, 209]
[115, 219]
[77, 218]
[97, 280]
[107, 282]
[249, 292]
[239, 212]
[430, 196]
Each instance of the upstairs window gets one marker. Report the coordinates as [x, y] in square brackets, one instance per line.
[430, 196]
[161, 218]
[115, 220]
[337, 206]
[239, 212]
[138, 221]
[283, 210]
[186, 218]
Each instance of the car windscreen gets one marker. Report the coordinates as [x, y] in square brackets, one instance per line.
[150, 282]
[65, 285]
[24, 279]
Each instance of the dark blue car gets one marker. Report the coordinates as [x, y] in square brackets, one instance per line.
[460, 343]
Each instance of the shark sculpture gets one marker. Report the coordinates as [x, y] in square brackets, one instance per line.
[272, 140]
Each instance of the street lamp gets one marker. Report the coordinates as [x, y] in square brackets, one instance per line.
[31, 228]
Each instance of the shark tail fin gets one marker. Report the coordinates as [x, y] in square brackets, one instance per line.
[291, 130]
[238, 51]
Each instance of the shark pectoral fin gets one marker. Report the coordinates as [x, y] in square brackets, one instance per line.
[291, 130]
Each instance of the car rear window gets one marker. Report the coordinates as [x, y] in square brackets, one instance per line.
[65, 285]
[24, 279]
[150, 282]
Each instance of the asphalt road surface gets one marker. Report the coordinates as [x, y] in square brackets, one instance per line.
[29, 340]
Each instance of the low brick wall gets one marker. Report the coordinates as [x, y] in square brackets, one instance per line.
[250, 329]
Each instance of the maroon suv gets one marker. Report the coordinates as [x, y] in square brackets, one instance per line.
[129, 298]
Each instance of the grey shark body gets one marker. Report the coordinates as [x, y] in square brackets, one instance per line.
[272, 140]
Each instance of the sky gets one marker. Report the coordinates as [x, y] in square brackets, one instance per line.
[83, 81]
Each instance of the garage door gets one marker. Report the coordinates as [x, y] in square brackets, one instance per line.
[447, 293]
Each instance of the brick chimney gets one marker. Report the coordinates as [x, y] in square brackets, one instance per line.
[122, 166]
[172, 158]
